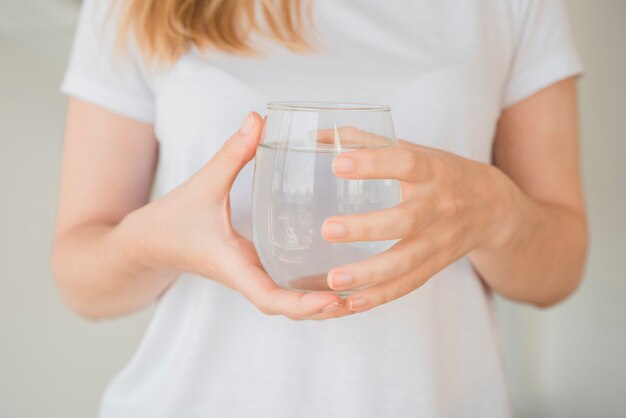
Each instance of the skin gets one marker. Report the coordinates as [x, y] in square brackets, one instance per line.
[521, 221]
[114, 252]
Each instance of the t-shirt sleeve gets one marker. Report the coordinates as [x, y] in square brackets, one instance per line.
[98, 74]
[544, 50]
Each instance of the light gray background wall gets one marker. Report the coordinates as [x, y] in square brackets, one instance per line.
[565, 362]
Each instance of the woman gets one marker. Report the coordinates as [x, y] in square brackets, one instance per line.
[482, 91]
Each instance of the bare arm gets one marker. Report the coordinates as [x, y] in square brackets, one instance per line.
[522, 222]
[107, 172]
[536, 146]
[114, 252]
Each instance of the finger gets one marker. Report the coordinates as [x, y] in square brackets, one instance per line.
[249, 279]
[351, 137]
[296, 305]
[226, 164]
[341, 312]
[403, 257]
[393, 289]
[401, 162]
[393, 223]
[254, 284]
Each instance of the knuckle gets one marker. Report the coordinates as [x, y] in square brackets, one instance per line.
[405, 287]
[347, 134]
[408, 220]
[387, 296]
[413, 222]
[410, 260]
[436, 163]
[265, 308]
[420, 253]
[414, 257]
[447, 204]
[432, 168]
[413, 161]
[230, 151]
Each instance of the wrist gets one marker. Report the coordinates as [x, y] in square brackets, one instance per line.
[134, 236]
[506, 205]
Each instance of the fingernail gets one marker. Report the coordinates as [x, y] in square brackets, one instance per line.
[247, 124]
[343, 165]
[357, 303]
[339, 280]
[334, 230]
[331, 307]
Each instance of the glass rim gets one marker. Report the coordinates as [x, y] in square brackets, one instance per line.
[311, 106]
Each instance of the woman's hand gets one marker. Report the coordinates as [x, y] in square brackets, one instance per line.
[189, 230]
[450, 206]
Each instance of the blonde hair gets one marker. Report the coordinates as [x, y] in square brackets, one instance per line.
[165, 29]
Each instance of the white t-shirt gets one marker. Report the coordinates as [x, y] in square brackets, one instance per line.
[447, 68]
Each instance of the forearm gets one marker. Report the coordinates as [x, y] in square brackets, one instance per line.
[541, 259]
[101, 275]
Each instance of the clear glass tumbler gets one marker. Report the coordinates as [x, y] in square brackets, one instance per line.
[295, 188]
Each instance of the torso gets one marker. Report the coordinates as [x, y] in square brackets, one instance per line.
[210, 353]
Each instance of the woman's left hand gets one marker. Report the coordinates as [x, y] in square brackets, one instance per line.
[450, 206]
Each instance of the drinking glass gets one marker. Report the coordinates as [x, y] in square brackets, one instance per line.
[295, 188]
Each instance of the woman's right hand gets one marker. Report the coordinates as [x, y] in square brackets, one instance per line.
[189, 230]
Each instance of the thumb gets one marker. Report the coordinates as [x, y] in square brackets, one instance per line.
[226, 164]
